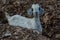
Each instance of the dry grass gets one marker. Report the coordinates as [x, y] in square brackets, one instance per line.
[50, 20]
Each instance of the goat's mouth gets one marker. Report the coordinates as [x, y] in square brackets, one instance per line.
[29, 16]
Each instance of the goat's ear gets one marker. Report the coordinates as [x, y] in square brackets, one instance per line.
[29, 11]
[41, 10]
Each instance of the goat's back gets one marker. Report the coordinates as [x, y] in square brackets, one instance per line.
[24, 22]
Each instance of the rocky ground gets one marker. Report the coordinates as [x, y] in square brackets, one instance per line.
[50, 20]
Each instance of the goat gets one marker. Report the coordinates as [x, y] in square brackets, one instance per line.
[37, 11]
[30, 23]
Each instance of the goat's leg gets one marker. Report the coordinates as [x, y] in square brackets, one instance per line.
[36, 31]
[38, 23]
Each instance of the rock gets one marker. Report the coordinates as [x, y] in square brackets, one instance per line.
[57, 36]
[7, 34]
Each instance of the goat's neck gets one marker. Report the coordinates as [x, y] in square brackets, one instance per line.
[36, 17]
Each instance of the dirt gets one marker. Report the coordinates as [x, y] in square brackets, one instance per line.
[50, 20]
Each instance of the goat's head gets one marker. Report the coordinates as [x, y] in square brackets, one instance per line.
[35, 10]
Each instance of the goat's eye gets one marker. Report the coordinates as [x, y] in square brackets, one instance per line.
[32, 9]
[39, 8]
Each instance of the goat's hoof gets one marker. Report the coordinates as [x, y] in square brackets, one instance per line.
[36, 31]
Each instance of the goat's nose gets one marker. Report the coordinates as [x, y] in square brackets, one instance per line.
[36, 13]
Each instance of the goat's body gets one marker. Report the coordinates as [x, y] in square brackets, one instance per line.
[30, 23]
[21, 21]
